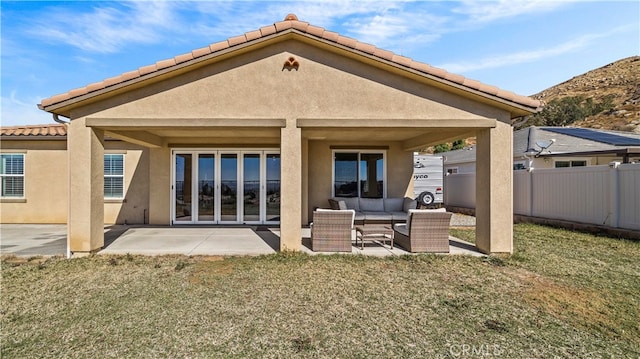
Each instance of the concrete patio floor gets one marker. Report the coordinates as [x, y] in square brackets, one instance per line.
[47, 240]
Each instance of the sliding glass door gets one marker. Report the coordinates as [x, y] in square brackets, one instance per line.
[183, 209]
[229, 188]
[216, 186]
[206, 187]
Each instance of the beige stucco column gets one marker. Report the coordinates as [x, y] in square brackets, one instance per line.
[291, 187]
[160, 185]
[494, 189]
[85, 227]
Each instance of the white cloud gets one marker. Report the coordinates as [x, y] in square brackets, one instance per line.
[486, 11]
[529, 56]
[107, 29]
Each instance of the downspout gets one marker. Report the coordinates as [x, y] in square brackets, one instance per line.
[58, 120]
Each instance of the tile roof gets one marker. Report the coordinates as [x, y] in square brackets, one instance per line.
[50, 130]
[290, 24]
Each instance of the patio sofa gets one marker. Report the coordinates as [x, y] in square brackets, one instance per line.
[375, 210]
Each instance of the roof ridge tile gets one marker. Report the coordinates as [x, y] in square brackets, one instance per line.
[236, 40]
[330, 35]
[283, 25]
[315, 30]
[300, 25]
[217, 46]
[252, 35]
[201, 52]
[268, 30]
[183, 58]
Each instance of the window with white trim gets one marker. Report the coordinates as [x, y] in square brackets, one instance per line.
[114, 176]
[12, 173]
[359, 174]
[564, 164]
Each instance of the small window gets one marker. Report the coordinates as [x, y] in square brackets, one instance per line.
[566, 164]
[113, 176]
[452, 171]
[517, 166]
[12, 173]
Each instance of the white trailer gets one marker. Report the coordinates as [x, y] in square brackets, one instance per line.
[427, 179]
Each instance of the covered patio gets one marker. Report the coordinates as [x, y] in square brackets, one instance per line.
[247, 240]
[49, 240]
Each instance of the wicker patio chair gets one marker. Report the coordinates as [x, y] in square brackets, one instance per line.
[331, 230]
[425, 231]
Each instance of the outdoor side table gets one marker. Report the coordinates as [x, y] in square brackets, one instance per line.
[373, 232]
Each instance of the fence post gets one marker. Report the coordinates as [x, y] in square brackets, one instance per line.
[530, 191]
[614, 195]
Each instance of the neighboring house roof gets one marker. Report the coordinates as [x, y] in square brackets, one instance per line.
[291, 24]
[568, 142]
[571, 140]
[34, 131]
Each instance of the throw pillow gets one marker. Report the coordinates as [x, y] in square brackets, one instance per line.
[409, 204]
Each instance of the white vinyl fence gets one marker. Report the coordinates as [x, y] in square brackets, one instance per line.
[599, 195]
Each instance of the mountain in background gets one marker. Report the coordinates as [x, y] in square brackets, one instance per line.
[617, 85]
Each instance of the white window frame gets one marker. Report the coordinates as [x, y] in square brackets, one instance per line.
[571, 160]
[3, 175]
[359, 152]
[217, 173]
[117, 176]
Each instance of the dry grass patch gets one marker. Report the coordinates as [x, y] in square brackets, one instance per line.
[584, 307]
[299, 306]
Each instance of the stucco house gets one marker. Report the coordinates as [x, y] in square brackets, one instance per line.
[556, 147]
[248, 131]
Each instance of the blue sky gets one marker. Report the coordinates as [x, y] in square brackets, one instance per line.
[522, 46]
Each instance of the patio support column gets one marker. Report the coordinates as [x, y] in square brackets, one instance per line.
[494, 189]
[291, 187]
[159, 185]
[85, 227]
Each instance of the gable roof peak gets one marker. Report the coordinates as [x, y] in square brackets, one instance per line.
[291, 23]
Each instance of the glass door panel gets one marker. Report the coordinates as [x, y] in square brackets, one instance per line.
[183, 188]
[229, 187]
[371, 175]
[273, 187]
[251, 187]
[206, 187]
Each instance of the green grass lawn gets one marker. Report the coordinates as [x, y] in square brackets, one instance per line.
[562, 294]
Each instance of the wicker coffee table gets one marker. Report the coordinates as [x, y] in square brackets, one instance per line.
[373, 232]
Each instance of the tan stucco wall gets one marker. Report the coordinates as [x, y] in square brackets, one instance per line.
[45, 183]
[254, 85]
[47, 178]
[135, 206]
